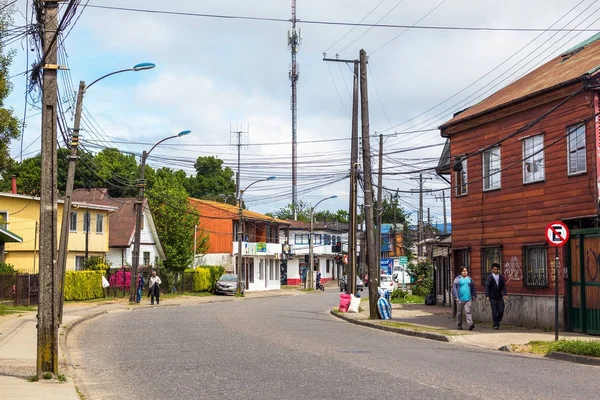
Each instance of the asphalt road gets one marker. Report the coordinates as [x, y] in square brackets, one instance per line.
[291, 348]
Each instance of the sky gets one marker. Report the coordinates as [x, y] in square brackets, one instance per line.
[216, 75]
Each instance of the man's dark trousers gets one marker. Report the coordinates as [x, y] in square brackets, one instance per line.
[497, 310]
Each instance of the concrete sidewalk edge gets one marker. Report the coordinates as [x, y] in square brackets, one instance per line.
[425, 335]
[558, 355]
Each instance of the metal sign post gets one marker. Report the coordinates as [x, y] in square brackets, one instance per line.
[557, 235]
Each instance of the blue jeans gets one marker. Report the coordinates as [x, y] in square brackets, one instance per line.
[139, 295]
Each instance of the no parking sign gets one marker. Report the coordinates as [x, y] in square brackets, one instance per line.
[557, 234]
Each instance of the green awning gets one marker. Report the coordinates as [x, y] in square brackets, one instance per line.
[7, 236]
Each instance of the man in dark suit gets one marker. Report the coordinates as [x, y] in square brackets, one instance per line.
[495, 291]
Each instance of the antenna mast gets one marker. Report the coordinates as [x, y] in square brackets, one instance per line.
[294, 39]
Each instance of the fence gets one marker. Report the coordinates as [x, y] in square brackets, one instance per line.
[19, 289]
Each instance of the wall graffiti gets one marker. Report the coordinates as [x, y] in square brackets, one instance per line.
[592, 266]
[513, 270]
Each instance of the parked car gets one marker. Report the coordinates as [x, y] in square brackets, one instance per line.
[386, 282]
[344, 284]
[227, 284]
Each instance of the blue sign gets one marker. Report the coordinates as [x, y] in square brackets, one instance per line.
[387, 266]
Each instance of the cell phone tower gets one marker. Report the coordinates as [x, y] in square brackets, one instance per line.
[294, 40]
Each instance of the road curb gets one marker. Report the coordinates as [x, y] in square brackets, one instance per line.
[425, 335]
[67, 361]
[557, 355]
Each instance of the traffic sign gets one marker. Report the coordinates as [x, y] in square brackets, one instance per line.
[557, 234]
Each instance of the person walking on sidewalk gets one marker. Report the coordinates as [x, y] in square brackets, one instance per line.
[140, 288]
[495, 291]
[463, 291]
[154, 284]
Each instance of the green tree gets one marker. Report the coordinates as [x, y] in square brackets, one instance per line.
[211, 180]
[175, 220]
[326, 215]
[29, 176]
[288, 213]
[117, 171]
[9, 124]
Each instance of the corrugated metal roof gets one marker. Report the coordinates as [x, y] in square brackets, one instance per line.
[578, 61]
[233, 211]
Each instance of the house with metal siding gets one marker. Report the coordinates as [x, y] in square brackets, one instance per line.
[522, 158]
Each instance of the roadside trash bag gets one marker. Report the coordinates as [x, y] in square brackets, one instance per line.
[344, 302]
[383, 304]
[354, 303]
[430, 300]
[105, 283]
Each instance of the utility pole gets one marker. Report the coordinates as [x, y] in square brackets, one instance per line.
[65, 228]
[353, 184]
[396, 254]
[87, 224]
[420, 191]
[294, 40]
[363, 245]
[368, 194]
[50, 278]
[444, 202]
[238, 133]
[379, 202]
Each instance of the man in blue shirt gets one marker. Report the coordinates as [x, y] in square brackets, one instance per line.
[464, 293]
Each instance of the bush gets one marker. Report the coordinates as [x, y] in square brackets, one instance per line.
[116, 278]
[205, 278]
[83, 285]
[398, 294]
[422, 276]
[6, 268]
[96, 263]
[215, 274]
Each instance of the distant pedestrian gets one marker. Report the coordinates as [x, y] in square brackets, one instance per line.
[318, 279]
[495, 291]
[140, 287]
[463, 291]
[154, 285]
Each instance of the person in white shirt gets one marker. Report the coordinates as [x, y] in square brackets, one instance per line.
[154, 286]
[495, 291]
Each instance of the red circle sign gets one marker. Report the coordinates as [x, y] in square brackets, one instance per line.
[557, 234]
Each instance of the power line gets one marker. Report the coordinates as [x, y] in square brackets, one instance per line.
[324, 22]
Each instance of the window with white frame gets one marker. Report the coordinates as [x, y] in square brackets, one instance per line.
[461, 179]
[491, 169]
[535, 266]
[576, 144]
[327, 239]
[99, 223]
[317, 238]
[73, 222]
[301, 238]
[533, 159]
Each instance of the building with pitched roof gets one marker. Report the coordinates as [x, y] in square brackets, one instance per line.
[122, 228]
[262, 255]
[524, 157]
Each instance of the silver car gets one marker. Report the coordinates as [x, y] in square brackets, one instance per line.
[344, 284]
[227, 284]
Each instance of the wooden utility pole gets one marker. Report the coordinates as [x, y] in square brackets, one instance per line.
[351, 287]
[50, 277]
[379, 202]
[368, 195]
[444, 203]
[420, 191]
[65, 226]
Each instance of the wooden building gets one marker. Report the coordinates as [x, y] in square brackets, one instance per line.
[522, 158]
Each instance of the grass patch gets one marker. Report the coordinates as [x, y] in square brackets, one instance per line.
[47, 375]
[308, 290]
[33, 378]
[409, 299]
[577, 347]
[238, 295]
[81, 396]
[336, 310]
[61, 378]
[289, 287]
[418, 328]
[7, 310]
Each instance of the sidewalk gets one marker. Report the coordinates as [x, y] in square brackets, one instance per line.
[435, 322]
[18, 343]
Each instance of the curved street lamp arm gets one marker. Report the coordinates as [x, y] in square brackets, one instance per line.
[260, 180]
[107, 75]
[167, 138]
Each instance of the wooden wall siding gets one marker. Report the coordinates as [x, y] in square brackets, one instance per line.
[219, 228]
[517, 214]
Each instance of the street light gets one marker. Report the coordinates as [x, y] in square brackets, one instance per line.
[135, 262]
[64, 230]
[238, 291]
[310, 241]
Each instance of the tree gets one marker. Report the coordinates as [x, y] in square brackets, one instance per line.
[175, 220]
[288, 213]
[9, 124]
[211, 180]
[328, 216]
[117, 171]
